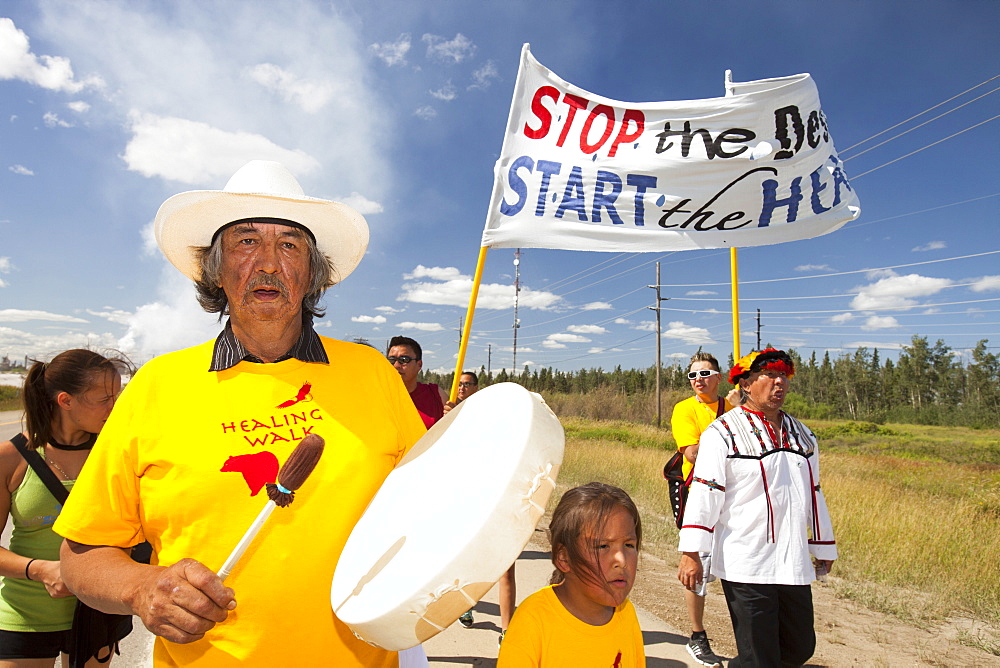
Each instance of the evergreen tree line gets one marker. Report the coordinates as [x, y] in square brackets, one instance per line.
[928, 384]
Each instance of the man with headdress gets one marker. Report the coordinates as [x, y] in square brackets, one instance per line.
[200, 431]
[756, 504]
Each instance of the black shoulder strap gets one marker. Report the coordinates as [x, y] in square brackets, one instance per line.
[722, 407]
[41, 469]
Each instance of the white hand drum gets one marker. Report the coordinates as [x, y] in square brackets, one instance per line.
[450, 519]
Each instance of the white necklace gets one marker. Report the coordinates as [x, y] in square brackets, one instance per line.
[58, 468]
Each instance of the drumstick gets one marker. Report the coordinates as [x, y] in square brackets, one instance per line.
[292, 475]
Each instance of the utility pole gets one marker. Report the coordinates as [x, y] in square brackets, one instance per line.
[659, 410]
[517, 291]
[489, 359]
[758, 330]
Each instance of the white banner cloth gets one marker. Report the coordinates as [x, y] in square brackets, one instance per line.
[583, 172]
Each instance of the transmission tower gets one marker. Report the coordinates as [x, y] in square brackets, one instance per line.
[517, 292]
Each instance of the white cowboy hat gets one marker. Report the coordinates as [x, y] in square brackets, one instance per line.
[260, 189]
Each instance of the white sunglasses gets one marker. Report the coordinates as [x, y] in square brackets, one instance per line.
[703, 373]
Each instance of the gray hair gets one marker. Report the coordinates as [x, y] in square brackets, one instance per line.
[213, 299]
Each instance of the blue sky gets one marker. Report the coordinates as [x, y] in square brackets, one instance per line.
[399, 108]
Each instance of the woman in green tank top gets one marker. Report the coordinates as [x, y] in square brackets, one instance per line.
[66, 403]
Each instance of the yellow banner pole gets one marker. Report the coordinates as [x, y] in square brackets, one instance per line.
[734, 277]
[467, 327]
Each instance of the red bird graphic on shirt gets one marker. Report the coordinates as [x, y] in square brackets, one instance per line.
[258, 469]
[302, 395]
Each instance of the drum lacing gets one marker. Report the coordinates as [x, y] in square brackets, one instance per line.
[536, 482]
[441, 591]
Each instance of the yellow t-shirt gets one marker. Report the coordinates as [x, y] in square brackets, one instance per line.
[544, 634]
[182, 462]
[689, 419]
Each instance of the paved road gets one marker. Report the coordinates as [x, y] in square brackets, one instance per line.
[455, 646]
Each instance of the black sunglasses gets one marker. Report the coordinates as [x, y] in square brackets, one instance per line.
[402, 359]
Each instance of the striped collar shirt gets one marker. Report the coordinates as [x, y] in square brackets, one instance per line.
[229, 351]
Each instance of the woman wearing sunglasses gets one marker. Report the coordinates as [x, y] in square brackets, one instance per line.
[691, 417]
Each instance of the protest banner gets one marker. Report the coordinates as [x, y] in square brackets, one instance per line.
[579, 171]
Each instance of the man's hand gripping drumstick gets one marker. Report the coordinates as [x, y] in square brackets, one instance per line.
[292, 475]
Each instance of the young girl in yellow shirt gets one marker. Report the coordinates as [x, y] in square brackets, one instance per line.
[584, 617]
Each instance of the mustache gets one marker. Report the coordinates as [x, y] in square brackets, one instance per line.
[267, 281]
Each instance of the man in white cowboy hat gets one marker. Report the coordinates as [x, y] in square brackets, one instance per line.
[199, 432]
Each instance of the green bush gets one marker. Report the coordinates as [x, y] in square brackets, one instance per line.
[855, 428]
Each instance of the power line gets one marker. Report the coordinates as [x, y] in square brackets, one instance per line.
[837, 273]
[973, 127]
[917, 127]
[889, 129]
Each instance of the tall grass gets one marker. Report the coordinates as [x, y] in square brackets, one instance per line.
[10, 398]
[918, 534]
[606, 403]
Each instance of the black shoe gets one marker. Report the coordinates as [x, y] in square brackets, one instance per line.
[466, 619]
[700, 650]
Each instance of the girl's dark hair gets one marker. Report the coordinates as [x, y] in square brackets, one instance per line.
[71, 372]
[581, 511]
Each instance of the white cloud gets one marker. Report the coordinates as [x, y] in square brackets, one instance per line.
[875, 322]
[426, 112]
[422, 326]
[18, 343]
[563, 337]
[388, 309]
[446, 93]
[392, 53]
[699, 293]
[455, 288]
[50, 72]
[842, 318]
[587, 329]
[22, 315]
[112, 315]
[986, 284]
[813, 267]
[197, 153]
[792, 343]
[192, 65]
[373, 319]
[21, 169]
[483, 77]
[646, 326]
[310, 96]
[687, 333]
[52, 120]
[933, 245]
[622, 321]
[454, 50]
[893, 291]
[596, 306]
[361, 204]
[79, 106]
[435, 273]
[172, 322]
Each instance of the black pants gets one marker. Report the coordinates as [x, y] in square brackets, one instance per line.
[773, 624]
